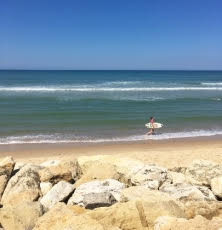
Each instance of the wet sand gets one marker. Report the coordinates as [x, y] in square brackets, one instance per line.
[167, 153]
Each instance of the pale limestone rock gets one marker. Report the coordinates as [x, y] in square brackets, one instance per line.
[206, 192]
[23, 186]
[216, 186]
[201, 172]
[7, 164]
[143, 193]
[97, 193]
[21, 216]
[50, 163]
[60, 170]
[124, 216]
[199, 222]
[136, 214]
[153, 203]
[18, 166]
[177, 178]
[150, 176]
[45, 187]
[59, 192]
[6, 167]
[207, 209]
[165, 222]
[99, 171]
[63, 217]
[125, 167]
[179, 169]
[188, 192]
[153, 208]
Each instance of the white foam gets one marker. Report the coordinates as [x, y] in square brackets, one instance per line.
[216, 99]
[38, 139]
[105, 89]
[211, 83]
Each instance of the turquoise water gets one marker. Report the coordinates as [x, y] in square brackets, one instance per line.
[97, 106]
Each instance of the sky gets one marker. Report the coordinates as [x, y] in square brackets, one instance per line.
[111, 34]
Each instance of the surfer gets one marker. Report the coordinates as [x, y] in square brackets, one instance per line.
[152, 129]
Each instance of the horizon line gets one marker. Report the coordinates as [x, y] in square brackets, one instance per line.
[109, 69]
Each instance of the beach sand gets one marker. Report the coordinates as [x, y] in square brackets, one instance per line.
[166, 153]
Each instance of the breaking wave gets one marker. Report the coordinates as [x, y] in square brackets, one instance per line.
[38, 139]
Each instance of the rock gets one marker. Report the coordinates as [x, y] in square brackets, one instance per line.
[59, 192]
[177, 178]
[136, 214]
[202, 172]
[125, 167]
[153, 208]
[23, 186]
[153, 203]
[6, 165]
[60, 171]
[62, 217]
[21, 216]
[150, 176]
[216, 186]
[206, 192]
[124, 216]
[179, 169]
[19, 165]
[99, 171]
[45, 187]
[207, 209]
[6, 168]
[199, 222]
[97, 194]
[143, 193]
[188, 192]
[50, 163]
[86, 162]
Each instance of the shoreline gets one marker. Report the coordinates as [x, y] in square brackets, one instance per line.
[167, 153]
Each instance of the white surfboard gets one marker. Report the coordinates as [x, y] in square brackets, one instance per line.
[155, 124]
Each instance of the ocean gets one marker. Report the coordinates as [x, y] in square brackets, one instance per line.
[107, 106]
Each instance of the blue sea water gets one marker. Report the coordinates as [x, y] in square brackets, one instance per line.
[102, 106]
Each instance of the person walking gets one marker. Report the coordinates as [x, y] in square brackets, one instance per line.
[152, 126]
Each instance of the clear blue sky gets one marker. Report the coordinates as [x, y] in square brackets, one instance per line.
[111, 34]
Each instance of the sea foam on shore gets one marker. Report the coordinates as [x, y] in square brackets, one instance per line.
[60, 138]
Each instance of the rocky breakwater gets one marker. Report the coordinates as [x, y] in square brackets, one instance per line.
[109, 193]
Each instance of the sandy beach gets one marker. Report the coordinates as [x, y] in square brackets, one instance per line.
[167, 153]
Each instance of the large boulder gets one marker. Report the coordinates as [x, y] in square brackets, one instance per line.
[136, 214]
[63, 217]
[216, 186]
[208, 209]
[23, 186]
[124, 216]
[201, 172]
[59, 192]
[6, 167]
[143, 193]
[188, 192]
[151, 176]
[21, 216]
[99, 171]
[45, 187]
[97, 194]
[177, 177]
[199, 222]
[60, 170]
[125, 167]
[18, 166]
[50, 163]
